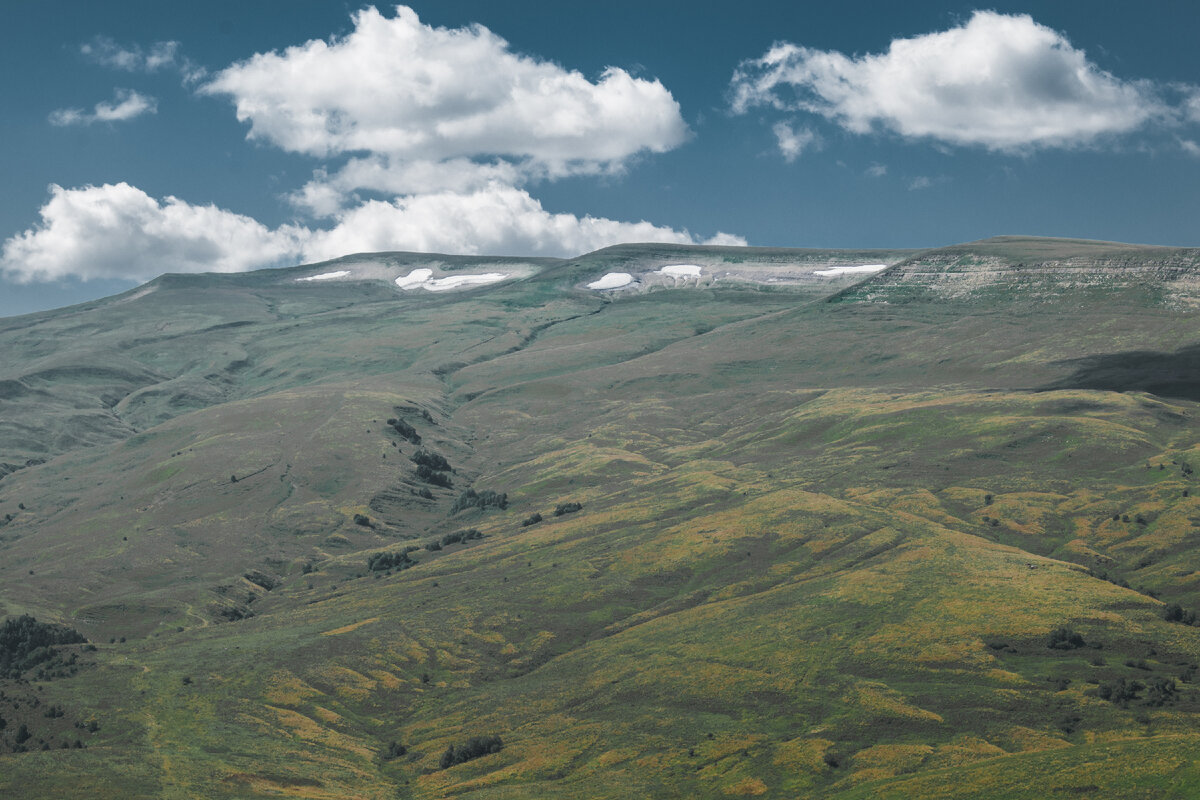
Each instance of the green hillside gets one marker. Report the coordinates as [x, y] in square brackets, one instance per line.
[739, 529]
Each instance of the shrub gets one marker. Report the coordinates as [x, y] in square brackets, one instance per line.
[1177, 613]
[474, 747]
[364, 520]
[1119, 692]
[485, 499]
[1064, 639]
[394, 750]
[404, 429]
[1160, 691]
[432, 460]
[532, 519]
[396, 559]
[25, 643]
[426, 474]
[566, 508]
[455, 538]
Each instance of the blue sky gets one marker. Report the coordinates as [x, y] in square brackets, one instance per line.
[150, 137]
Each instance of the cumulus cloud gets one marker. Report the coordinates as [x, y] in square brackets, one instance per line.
[411, 94]
[876, 171]
[119, 231]
[126, 105]
[1002, 82]
[497, 220]
[327, 193]
[792, 142]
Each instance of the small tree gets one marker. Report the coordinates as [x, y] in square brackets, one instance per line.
[1064, 638]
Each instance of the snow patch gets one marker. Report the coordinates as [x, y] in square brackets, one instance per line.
[613, 280]
[826, 273]
[326, 276]
[414, 279]
[423, 278]
[459, 281]
[681, 270]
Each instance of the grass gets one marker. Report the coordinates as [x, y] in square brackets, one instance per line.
[820, 550]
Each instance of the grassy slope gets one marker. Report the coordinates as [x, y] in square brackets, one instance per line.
[787, 556]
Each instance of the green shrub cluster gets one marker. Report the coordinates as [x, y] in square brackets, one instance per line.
[404, 429]
[474, 747]
[432, 460]
[428, 475]
[25, 643]
[395, 559]
[567, 508]
[454, 538]
[485, 499]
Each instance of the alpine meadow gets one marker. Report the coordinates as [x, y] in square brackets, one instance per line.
[757, 525]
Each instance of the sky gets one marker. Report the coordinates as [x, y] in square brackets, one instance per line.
[151, 136]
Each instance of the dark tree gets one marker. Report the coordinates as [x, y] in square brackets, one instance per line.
[566, 508]
[1064, 639]
[474, 747]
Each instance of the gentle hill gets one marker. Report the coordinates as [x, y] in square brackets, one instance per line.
[740, 530]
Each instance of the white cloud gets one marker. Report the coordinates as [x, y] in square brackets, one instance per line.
[1192, 106]
[919, 182]
[876, 171]
[792, 142]
[326, 193]
[1190, 147]
[1000, 81]
[118, 231]
[160, 55]
[496, 220]
[419, 99]
[126, 105]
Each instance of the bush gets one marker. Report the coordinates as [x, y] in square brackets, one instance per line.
[432, 460]
[426, 474]
[474, 747]
[396, 559]
[1177, 613]
[532, 519]
[404, 429]
[485, 499]
[394, 750]
[1064, 639]
[364, 520]
[566, 508]
[25, 643]
[455, 538]
[1119, 692]
[1160, 691]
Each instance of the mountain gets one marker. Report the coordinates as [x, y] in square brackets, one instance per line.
[750, 522]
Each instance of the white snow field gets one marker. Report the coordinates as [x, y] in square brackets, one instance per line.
[827, 273]
[326, 276]
[613, 280]
[460, 281]
[414, 279]
[423, 279]
[681, 270]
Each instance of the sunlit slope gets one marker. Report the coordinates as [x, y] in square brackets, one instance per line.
[792, 608]
[821, 551]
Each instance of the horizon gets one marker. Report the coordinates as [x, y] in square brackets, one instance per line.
[173, 139]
